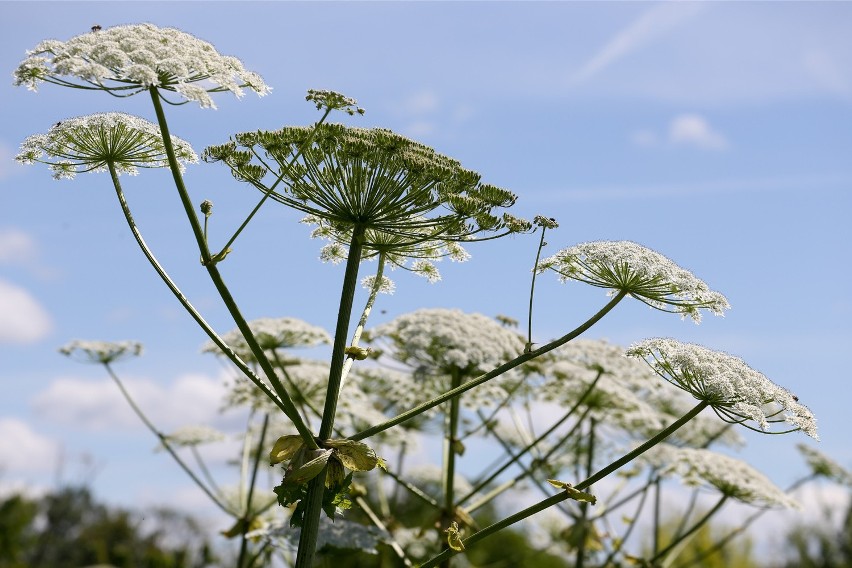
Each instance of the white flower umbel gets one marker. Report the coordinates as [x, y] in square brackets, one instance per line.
[441, 340]
[102, 352]
[273, 334]
[125, 60]
[96, 141]
[648, 276]
[194, 436]
[823, 466]
[395, 249]
[730, 476]
[735, 391]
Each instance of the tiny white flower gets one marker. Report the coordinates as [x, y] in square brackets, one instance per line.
[730, 476]
[271, 334]
[444, 340]
[101, 351]
[195, 436]
[823, 466]
[386, 286]
[125, 60]
[643, 273]
[735, 391]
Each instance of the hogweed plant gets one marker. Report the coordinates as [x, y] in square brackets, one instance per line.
[563, 419]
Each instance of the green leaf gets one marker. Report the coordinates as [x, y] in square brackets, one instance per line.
[309, 469]
[356, 456]
[285, 448]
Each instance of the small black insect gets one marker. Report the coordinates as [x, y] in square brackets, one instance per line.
[96, 28]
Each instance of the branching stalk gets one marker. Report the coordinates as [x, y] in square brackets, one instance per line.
[517, 361]
[560, 497]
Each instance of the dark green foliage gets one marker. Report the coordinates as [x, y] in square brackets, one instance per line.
[70, 529]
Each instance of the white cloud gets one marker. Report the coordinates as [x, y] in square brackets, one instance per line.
[16, 246]
[22, 318]
[24, 450]
[652, 24]
[97, 405]
[694, 130]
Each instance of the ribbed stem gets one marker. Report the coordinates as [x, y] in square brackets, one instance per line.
[316, 486]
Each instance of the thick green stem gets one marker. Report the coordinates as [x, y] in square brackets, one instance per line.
[286, 405]
[565, 495]
[517, 361]
[316, 486]
[451, 442]
[165, 441]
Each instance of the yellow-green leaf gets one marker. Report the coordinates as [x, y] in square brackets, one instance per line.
[454, 539]
[285, 448]
[573, 493]
[309, 469]
[354, 455]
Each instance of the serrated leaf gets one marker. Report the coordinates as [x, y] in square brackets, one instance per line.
[309, 469]
[356, 456]
[285, 448]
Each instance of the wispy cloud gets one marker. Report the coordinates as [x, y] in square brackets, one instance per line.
[652, 24]
[695, 130]
[22, 318]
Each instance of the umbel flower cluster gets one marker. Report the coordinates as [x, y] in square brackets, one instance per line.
[641, 272]
[125, 60]
[93, 143]
[401, 196]
[734, 390]
[730, 476]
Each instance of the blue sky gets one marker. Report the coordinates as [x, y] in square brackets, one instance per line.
[719, 134]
